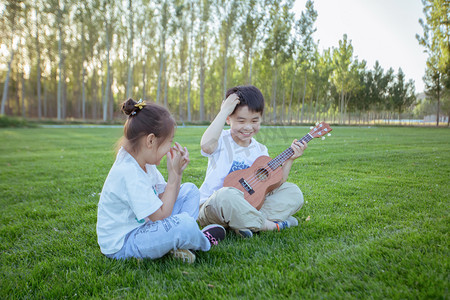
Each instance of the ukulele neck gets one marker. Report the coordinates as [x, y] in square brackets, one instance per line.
[286, 154]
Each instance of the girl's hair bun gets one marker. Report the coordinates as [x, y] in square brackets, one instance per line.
[128, 107]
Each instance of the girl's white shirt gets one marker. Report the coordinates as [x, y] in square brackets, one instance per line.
[128, 197]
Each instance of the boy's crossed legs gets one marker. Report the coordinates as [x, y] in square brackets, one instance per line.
[228, 208]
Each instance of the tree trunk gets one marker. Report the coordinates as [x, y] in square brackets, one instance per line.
[341, 108]
[144, 95]
[274, 93]
[64, 95]
[180, 106]
[18, 89]
[438, 99]
[111, 99]
[250, 63]
[189, 118]
[130, 52]
[108, 80]
[22, 80]
[315, 105]
[283, 107]
[303, 99]
[5, 85]
[202, 83]
[45, 100]
[83, 75]
[38, 66]
[292, 96]
[225, 67]
[204, 16]
[166, 104]
[94, 95]
[202, 77]
[161, 65]
[102, 99]
[60, 79]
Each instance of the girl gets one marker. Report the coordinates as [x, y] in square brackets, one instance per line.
[139, 214]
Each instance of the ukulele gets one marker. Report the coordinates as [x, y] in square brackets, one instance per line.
[265, 173]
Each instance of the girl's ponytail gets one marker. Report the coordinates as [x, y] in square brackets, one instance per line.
[128, 106]
[144, 119]
[131, 107]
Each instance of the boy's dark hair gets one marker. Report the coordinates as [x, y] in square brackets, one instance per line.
[144, 119]
[250, 96]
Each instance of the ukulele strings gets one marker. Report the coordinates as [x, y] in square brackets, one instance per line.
[275, 163]
[270, 167]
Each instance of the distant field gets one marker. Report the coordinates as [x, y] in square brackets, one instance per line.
[375, 224]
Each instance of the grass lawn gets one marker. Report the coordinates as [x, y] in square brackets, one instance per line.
[375, 223]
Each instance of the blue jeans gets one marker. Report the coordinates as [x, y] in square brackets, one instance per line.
[179, 231]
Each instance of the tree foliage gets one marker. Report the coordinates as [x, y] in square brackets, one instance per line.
[436, 41]
[61, 60]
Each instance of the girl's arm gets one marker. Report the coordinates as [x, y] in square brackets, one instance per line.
[177, 161]
[212, 133]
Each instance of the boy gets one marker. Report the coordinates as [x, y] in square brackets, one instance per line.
[236, 149]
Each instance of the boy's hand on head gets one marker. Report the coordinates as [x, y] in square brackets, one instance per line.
[229, 104]
[298, 148]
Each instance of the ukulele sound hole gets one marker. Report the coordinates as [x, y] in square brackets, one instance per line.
[262, 174]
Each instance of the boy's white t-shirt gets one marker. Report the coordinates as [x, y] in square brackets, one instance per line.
[128, 197]
[228, 157]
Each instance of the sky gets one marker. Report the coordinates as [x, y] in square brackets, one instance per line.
[383, 30]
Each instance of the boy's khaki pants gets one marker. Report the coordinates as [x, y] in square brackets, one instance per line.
[227, 207]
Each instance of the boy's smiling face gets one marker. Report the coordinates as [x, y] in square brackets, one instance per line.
[244, 125]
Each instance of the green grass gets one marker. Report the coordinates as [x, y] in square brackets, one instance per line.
[378, 201]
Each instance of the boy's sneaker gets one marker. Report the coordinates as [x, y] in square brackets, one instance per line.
[290, 222]
[214, 233]
[244, 233]
[184, 254]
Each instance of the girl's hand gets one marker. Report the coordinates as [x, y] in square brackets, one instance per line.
[229, 104]
[177, 160]
[298, 148]
[184, 156]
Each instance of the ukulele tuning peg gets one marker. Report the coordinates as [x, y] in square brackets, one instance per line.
[323, 138]
[311, 127]
[317, 123]
[329, 134]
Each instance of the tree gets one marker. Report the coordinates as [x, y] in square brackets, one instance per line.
[164, 22]
[10, 27]
[277, 46]
[323, 70]
[180, 26]
[305, 52]
[59, 22]
[38, 60]
[249, 32]
[109, 19]
[203, 35]
[146, 22]
[191, 47]
[402, 93]
[82, 20]
[227, 9]
[342, 60]
[130, 55]
[436, 40]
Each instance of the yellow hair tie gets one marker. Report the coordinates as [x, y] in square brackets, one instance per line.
[140, 104]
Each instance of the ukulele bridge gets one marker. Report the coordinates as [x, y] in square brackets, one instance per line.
[246, 186]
